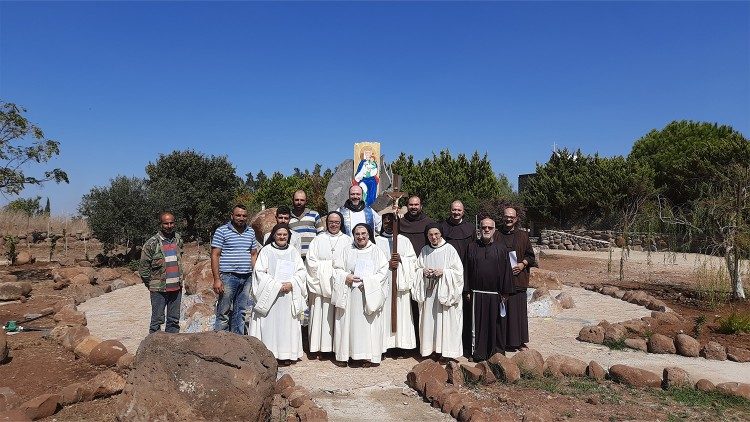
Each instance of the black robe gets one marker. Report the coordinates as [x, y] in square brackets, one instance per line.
[487, 269]
[517, 334]
[460, 235]
[413, 228]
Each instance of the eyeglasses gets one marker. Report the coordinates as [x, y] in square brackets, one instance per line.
[488, 227]
[335, 223]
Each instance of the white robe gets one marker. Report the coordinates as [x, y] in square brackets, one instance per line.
[358, 329]
[404, 337]
[276, 317]
[440, 301]
[320, 256]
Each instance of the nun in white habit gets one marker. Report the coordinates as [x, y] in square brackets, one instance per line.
[280, 296]
[358, 295]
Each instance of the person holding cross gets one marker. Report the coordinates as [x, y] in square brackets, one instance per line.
[398, 325]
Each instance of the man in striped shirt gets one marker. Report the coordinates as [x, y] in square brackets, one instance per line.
[304, 221]
[161, 271]
[233, 253]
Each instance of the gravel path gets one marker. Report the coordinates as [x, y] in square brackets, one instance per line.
[381, 394]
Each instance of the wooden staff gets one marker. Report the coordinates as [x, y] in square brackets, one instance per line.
[395, 196]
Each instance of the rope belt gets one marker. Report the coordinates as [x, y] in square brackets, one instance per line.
[473, 318]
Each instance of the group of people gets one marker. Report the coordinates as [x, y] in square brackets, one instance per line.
[436, 286]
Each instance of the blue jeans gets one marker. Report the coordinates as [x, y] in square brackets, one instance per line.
[231, 305]
[170, 301]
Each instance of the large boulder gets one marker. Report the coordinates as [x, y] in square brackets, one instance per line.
[203, 376]
[24, 257]
[738, 354]
[263, 222]
[199, 277]
[71, 273]
[634, 377]
[738, 389]
[103, 275]
[566, 300]
[675, 377]
[69, 315]
[14, 290]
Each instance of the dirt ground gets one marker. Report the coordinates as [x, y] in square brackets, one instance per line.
[40, 366]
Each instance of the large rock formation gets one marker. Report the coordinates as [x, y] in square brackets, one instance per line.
[204, 376]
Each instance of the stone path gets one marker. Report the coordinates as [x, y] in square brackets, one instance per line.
[381, 393]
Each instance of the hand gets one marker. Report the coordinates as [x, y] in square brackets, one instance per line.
[518, 268]
[393, 265]
[218, 286]
[395, 257]
[437, 273]
[428, 272]
[467, 297]
[286, 287]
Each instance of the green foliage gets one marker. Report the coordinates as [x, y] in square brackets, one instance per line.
[278, 190]
[23, 143]
[10, 248]
[734, 323]
[712, 400]
[47, 208]
[686, 157]
[121, 213]
[700, 321]
[197, 189]
[615, 344]
[28, 206]
[577, 189]
[442, 179]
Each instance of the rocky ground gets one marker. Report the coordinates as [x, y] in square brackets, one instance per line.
[39, 365]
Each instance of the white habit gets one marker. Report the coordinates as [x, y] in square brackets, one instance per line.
[276, 318]
[320, 256]
[404, 337]
[358, 327]
[440, 301]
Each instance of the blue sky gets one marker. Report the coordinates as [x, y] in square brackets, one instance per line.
[281, 85]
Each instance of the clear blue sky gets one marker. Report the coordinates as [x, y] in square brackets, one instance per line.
[281, 85]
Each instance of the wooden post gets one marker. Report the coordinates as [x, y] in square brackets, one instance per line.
[395, 195]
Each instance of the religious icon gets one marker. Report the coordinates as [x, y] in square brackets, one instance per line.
[367, 154]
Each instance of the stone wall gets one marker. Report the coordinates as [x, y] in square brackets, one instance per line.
[562, 240]
[588, 240]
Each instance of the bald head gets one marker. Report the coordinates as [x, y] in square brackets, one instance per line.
[457, 211]
[299, 201]
[355, 194]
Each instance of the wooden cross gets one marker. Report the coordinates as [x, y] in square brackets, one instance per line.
[395, 195]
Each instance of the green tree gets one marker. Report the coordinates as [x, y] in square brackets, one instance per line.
[23, 143]
[687, 156]
[278, 189]
[442, 179]
[27, 206]
[47, 208]
[198, 189]
[121, 213]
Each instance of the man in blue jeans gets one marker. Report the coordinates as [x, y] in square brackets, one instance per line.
[233, 253]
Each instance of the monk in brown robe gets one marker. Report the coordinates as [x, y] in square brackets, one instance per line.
[517, 240]
[490, 282]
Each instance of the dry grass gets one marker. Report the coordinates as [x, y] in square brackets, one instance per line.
[15, 223]
[713, 283]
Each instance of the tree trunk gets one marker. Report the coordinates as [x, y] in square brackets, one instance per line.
[732, 259]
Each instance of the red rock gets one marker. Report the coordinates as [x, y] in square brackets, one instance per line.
[704, 385]
[125, 361]
[86, 345]
[675, 377]
[614, 333]
[198, 278]
[634, 377]
[488, 376]
[566, 300]
[283, 382]
[14, 291]
[107, 353]
[595, 371]
[69, 273]
[561, 365]
[455, 376]
[738, 389]
[41, 406]
[669, 318]
[714, 351]
[3, 346]
[737, 354]
[659, 343]
[432, 389]
[14, 416]
[539, 294]
[687, 346]
[637, 344]
[68, 315]
[450, 402]
[530, 363]
[635, 326]
[506, 368]
[471, 373]
[592, 334]
[656, 305]
[104, 275]
[297, 398]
